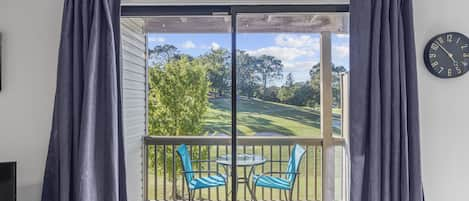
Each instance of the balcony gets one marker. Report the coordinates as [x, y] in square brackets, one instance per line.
[164, 181]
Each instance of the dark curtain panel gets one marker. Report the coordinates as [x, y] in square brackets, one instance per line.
[384, 122]
[85, 161]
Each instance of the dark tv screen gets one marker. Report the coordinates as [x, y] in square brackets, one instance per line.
[8, 181]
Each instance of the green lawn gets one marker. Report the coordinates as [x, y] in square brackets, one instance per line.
[258, 117]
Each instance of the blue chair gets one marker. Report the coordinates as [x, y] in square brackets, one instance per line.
[285, 180]
[193, 183]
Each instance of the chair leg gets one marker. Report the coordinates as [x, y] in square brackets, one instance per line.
[291, 195]
[226, 191]
[191, 195]
[285, 194]
[253, 192]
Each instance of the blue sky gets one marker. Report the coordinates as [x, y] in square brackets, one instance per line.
[298, 52]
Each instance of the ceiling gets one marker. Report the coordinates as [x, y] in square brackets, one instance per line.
[250, 23]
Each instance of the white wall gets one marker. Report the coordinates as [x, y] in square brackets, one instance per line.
[444, 106]
[133, 63]
[30, 32]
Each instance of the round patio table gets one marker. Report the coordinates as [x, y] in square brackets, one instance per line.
[246, 161]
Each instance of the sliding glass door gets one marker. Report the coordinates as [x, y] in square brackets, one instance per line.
[247, 90]
[280, 56]
[189, 102]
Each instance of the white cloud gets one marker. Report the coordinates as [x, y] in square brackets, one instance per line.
[343, 36]
[282, 53]
[215, 46]
[296, 41]
[188, 45]
[157, 39]
[342, 51]
[289, 47]
[300, 66]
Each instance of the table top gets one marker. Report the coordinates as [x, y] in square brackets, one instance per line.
[242, 160]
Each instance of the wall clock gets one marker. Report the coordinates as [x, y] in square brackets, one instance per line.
[447, 55]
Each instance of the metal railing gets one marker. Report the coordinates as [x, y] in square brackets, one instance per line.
[164, 181]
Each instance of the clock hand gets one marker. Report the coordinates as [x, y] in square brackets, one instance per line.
[447, 52]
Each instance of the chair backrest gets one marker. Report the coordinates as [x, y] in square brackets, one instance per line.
[186, 162]
[294, 161]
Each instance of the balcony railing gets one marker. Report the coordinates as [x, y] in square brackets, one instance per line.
[164, 181]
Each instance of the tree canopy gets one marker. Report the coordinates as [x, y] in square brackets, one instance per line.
[253, 72]
[218, 66]
[269, 69]
[177, 97]
[248, 78]
[162, 54]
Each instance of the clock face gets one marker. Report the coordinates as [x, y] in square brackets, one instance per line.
[447, 55]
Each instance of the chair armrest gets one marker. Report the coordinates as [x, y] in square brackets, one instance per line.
[265, 174]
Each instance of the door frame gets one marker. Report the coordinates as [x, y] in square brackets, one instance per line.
[233, 11]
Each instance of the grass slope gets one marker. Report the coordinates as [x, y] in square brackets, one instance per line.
[258, 117]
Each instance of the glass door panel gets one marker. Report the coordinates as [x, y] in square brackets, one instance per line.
[189, 102]
[278, 59]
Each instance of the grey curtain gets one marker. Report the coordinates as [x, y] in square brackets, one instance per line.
[85, 161]
[384, 132]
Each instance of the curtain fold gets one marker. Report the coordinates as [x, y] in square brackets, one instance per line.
[384, 121]
[85, 161]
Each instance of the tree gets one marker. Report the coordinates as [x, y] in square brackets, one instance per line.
[218, 70]
[272, 94]
[316, 83]
[269, 68]
[178, 98]
[162, 54]
[247, 74]
[336, 74]
[290, 81]
[300, 93]
[286, 91]
[285, 94]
